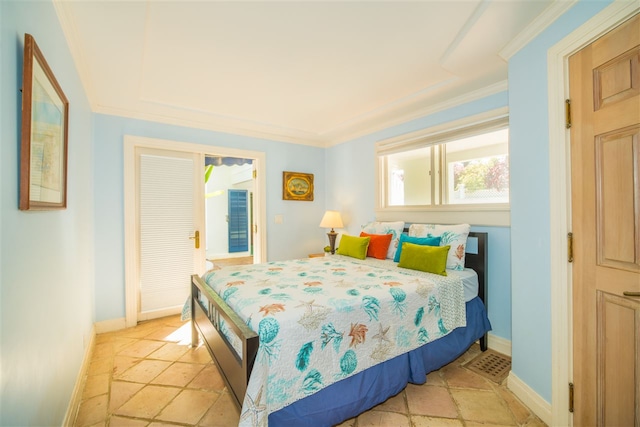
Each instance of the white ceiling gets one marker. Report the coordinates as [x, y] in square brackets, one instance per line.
[315, 73]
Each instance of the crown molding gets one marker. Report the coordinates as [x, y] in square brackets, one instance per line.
[536, 27]
[219, 125]
[379, 122]
[382, 119]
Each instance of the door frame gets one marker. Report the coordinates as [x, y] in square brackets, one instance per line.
[131, 267]
[560, 199]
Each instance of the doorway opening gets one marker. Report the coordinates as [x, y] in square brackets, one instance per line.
[229, 189]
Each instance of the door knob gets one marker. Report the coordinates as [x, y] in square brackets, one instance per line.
[631, 294]
[196, 238]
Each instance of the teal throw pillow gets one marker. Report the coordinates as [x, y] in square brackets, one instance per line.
[355, 247]
[423, 241]
[431, 259]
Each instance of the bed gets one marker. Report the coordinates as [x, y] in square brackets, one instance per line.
[341, 362]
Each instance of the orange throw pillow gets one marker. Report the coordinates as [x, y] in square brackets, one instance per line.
[378, 245]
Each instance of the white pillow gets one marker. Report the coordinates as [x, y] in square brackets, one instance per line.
[395, 228]
[453, 235]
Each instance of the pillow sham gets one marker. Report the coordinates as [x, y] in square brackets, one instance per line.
[453, 235]
[379, 244]
[355, 247]
[394, 228]
[424, 241]
[431, 259]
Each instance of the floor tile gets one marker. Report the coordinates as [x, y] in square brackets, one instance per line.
[142, 348]
[122, 363]
[348, 423]
[117, 421]
[375, 418]
[92, 411]
[196, 355]
[178, 374]
[459, 377]
[520, 412]
[121, 392]
[189, 406]
[431, 400]
[165, 333]
[102, 350]
[150, 376]
[208, 379]
[100, 366]
[482, 406]
[96, 385]
[169, 351]
[424, 421]
[397, 403]
[145, 371]
[435, 378]
[223, 413]
[148, 402]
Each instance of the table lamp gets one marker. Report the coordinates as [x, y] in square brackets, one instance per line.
[331, 219]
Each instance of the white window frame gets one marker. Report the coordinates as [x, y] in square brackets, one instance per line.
[490, 214]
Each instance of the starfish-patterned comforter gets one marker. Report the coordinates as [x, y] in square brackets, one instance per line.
[321, 320]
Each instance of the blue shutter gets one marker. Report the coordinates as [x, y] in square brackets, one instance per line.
[238, 221]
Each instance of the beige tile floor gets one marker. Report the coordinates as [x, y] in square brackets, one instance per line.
[150, 376]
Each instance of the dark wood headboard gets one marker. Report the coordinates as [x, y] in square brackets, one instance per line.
[478, 262]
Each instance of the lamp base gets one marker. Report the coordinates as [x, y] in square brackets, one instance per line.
[332, 241]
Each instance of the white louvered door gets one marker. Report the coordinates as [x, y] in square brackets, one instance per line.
[170, 211]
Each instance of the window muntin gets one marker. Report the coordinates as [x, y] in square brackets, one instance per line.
[469, 170]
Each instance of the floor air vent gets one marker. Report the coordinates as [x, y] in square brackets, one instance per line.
[491, 364]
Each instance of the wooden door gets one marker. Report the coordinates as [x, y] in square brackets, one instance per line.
[605, 197]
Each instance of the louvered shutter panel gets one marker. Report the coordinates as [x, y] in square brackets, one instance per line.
[166, 222]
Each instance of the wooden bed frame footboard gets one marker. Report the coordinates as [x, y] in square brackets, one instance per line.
[206, 320]
[235, 368]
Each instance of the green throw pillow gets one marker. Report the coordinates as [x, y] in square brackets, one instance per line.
[355, 247]
[432, 259]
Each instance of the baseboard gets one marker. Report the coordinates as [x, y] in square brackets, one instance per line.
[530, 398]
[76, 396]
[499, 344]
[156, 314]
[110, 325]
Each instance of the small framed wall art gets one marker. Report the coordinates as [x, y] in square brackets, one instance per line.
[297, 186]
[45, 118]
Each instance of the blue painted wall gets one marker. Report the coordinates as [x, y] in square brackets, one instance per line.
[298, 235]
[530, 214]
[47, 289]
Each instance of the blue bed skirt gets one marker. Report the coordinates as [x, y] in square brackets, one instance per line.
[363, 391]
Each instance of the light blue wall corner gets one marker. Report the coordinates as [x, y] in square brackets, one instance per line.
[298, 235]
[530, 214]
[47, 299]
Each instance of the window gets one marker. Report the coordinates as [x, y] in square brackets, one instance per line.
[464, 167]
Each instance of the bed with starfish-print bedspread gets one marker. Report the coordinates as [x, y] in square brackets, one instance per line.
[321, 320]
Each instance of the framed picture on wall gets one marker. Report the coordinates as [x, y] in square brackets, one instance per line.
[45, 118]
[297, 186]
